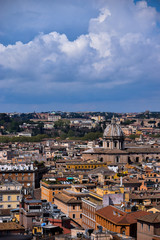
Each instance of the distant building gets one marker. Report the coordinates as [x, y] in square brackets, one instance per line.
[50, 188]
[70, 203]
[10, 194]
[116, 220]
[30, 212]
[114, 151]
[6, 155]
[54, 118]
[98, 118]
[26, 174]
[148, 227]
[11, 228]
[24, 134]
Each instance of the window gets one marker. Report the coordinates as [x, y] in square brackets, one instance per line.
[17, 205]
[1, 206]
[73, 215]
[80, 215]
[17, 198]
[22, 178]
[129, 160]
[53, 193]
[9, 198]
[123, 229]
[1, 198]
[29, 178]
[9, 206]
[117, 159]
[141, 225]
[74, 207]
[148, 227]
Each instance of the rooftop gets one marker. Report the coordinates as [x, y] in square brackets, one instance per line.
[118, 216]
[151, 218]
[10, 226]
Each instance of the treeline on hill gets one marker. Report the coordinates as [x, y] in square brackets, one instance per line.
[62, 130]
[12, 124]
[8, 139]
[148, 115]
[87, 137]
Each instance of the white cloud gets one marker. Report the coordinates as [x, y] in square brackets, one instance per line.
[121, 47]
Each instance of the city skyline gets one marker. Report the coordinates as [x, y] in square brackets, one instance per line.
[99, 55]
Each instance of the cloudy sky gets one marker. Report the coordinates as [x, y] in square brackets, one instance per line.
[78, 55]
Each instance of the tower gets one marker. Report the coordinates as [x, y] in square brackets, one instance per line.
[113, 137]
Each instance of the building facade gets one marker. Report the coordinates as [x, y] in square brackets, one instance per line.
[114, 151]
[26, 174]
[10, 194]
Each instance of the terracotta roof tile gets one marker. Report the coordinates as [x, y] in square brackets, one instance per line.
[119, 217]
[66, 199]
[151, 218]
[10, 226]
[5, 212]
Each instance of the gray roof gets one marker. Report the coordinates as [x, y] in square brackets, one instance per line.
[32, 201]
[113, 130]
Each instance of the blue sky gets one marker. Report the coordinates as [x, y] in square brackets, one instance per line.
[78, 55]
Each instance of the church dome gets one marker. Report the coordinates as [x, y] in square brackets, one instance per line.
[113, 130]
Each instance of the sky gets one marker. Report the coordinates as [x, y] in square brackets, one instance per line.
[78, 55]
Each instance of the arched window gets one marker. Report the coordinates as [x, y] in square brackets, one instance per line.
[123, 229]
